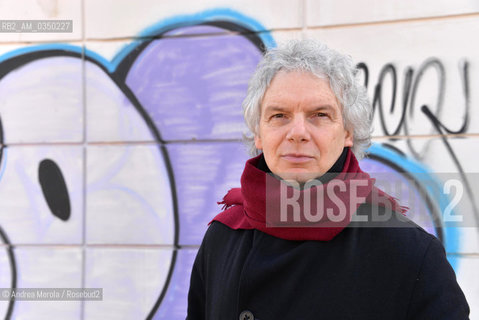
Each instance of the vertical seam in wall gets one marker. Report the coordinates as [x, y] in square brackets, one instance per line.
[84, 158]
[305, 22]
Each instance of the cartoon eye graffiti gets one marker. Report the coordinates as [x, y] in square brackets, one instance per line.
[110, 172]
[54, 189]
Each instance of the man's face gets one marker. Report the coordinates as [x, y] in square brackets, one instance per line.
[301, 130]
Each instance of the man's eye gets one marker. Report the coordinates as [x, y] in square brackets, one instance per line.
[321, 114]
[277, 116]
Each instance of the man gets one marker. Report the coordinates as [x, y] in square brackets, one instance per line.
[268, 257]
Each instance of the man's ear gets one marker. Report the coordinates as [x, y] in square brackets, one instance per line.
[257, 142]
[348, 139]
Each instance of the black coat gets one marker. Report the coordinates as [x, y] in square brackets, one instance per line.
[394, 270]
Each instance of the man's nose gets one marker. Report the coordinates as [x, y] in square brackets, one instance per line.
[298, 131]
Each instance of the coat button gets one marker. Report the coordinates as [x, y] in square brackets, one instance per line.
[246, 315]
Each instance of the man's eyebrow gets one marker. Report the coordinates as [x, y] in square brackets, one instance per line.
[273, 108]
[324, 107]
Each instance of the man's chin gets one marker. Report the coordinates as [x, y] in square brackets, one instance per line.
[299, 176]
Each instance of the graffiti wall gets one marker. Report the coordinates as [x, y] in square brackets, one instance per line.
[118, 138]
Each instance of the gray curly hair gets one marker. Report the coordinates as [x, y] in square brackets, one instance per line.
[323, 62]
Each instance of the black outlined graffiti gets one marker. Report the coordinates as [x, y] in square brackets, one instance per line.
[61, 207]
[409, 93]
[389, 68]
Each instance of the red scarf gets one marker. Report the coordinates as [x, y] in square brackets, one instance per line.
[257, 204]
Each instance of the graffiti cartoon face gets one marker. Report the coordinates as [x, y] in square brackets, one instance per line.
[88, 190]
